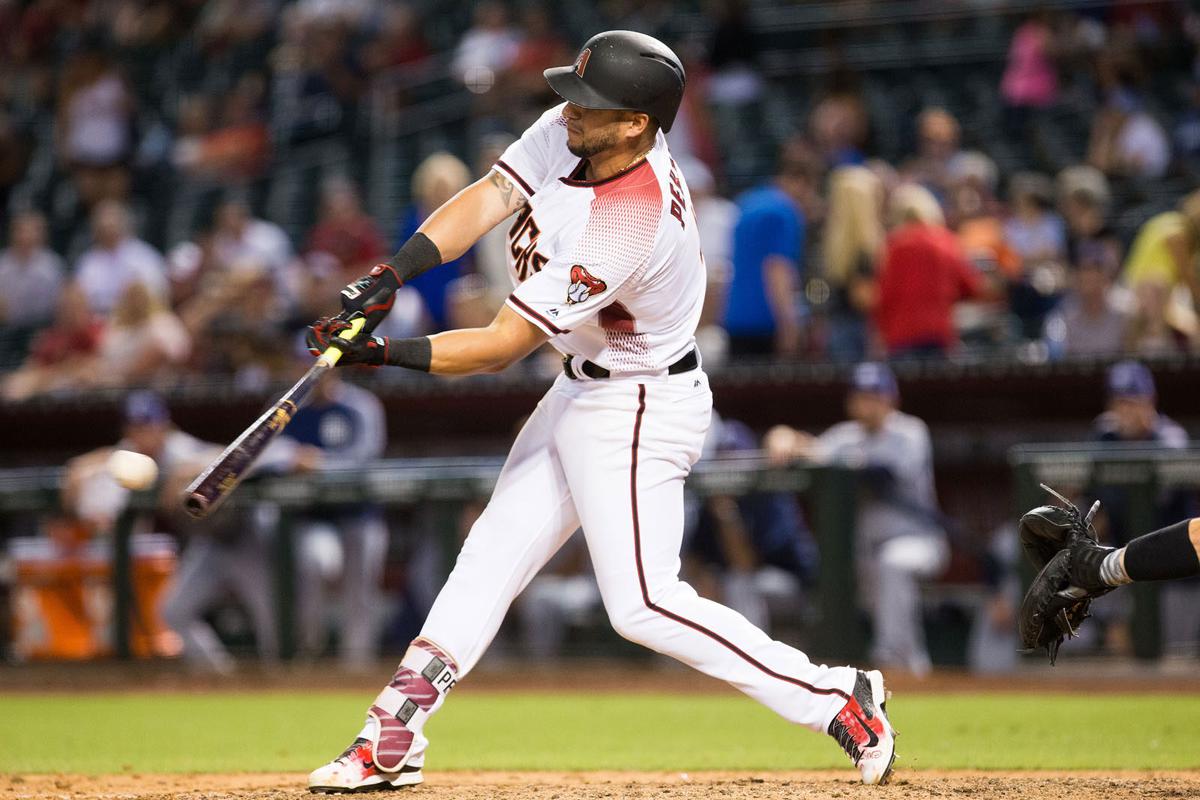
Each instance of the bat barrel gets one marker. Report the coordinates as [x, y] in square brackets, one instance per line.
[196, 504]
[213, 485]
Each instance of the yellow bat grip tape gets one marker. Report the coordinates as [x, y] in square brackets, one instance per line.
[332, 355]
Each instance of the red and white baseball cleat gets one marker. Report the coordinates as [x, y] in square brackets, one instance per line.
[355, 771]
[863, 730]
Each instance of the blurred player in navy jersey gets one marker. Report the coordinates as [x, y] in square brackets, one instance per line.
[744, 550]
[342, 427]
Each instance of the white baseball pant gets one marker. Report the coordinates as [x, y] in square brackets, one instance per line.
[611, 456]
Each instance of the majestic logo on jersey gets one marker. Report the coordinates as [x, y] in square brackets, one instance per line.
[583, 285]
[581, 62]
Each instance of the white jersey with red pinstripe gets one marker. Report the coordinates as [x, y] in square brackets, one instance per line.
[610, 269]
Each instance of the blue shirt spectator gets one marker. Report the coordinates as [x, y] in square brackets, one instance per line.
[769, 236]
[435, 180]
[433, 284]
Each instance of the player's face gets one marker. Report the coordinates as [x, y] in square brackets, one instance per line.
[868, 408]
[592, 131]
[1134, 416]
[147, 438]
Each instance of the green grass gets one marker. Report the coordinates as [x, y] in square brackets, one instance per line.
[233, 732]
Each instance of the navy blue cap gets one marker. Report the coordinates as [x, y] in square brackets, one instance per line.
[145, 408]
[875, 378]
[1130, 379]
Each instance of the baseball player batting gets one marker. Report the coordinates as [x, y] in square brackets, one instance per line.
[606, 264]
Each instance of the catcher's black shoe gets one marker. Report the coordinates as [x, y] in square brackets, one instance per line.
[863, 730]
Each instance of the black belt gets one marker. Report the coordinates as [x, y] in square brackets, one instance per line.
[596, 372]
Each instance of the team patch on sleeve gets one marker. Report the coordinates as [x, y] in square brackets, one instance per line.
[583, 285]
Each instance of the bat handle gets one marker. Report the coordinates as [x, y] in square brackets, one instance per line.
[332, 355]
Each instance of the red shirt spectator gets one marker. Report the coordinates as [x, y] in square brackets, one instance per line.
[74, 334]
[356, 243]
[924, 274]
[399, 43]
[56, 345]
[62, 356]
[347, 232]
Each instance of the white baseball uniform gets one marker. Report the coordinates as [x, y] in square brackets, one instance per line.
[612, 271]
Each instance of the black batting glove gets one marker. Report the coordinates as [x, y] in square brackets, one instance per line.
[322, 332]
[371, 295]
[366, 350]
[370, 351]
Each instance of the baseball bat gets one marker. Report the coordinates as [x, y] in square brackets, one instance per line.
[213, 485]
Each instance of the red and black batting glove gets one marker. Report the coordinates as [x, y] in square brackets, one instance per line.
[370, 351]
[371, 295]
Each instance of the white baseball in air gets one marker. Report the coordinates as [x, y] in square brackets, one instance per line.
[132, 470]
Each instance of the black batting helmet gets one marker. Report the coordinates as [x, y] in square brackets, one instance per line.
[625, 70]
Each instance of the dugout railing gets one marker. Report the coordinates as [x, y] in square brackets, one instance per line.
[446, 485]
[1142, 473]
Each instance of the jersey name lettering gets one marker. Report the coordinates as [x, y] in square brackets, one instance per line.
[678, 204]
[522, 243]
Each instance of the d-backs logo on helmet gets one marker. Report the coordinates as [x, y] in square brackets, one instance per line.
[581, 62]
[583, 285]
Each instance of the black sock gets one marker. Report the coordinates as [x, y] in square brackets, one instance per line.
[1162, 555]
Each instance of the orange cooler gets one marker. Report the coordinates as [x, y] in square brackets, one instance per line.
[63, 603]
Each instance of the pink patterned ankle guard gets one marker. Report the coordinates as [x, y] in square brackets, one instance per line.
[423, 678]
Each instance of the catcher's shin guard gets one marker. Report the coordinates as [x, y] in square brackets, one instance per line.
[421, 681]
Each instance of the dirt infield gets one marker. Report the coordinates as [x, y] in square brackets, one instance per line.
[612, 785]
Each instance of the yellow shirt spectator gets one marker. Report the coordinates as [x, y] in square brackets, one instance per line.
[1165, 250]
[1150, 258]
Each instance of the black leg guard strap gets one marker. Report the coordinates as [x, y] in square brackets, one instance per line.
[1162, 555]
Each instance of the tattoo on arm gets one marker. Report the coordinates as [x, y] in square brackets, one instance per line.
[506, 189]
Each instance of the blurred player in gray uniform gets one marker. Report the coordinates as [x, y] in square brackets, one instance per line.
[91, 492]
[1132, 417]
[224, 556]
[342, 427]
[898, 541]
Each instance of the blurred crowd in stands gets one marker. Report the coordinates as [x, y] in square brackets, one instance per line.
[182, 181]
[181, 178]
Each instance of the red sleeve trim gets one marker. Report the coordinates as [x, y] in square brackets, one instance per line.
[525, 187]
[534, 317]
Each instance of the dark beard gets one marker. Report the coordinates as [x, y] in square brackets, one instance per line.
[594, 145]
